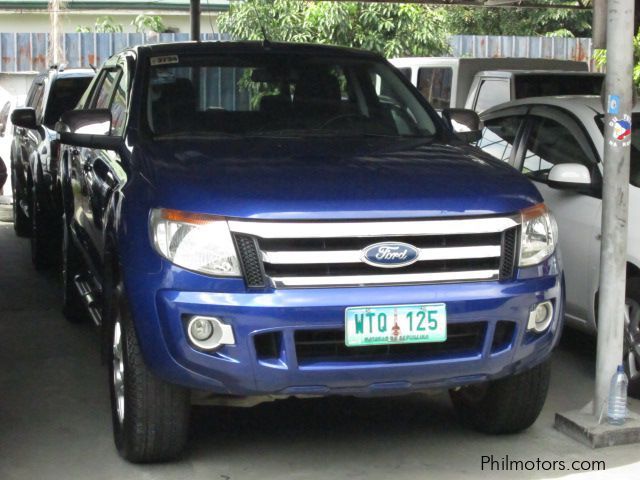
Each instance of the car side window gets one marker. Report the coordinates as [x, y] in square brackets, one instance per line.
[435, 85]
[119, 107]
[492, 92]
[498, 136]
[549, 143]
[36, 100]
[32, 92]
[104, 92]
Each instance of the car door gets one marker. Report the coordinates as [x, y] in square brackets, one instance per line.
[102, 169]
[82, 172]
[552, 137]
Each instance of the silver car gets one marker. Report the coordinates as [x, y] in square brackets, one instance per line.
[553, 138]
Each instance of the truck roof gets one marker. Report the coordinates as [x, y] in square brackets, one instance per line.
[252, 46]
[503, 63]
[513, 73]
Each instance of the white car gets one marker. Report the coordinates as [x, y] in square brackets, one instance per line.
[550, 137]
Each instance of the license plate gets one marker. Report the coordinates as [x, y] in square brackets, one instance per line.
[392, 324]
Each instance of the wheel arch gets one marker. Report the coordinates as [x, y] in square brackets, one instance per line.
[633, 271]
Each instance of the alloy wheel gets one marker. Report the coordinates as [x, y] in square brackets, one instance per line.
[632, 338]
[118, 371]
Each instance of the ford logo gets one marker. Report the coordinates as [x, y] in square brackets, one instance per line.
[390, 254]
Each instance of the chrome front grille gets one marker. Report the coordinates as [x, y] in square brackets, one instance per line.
[327, 254]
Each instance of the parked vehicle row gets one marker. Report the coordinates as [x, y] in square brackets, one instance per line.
[481, 83]
[34, 157]
[251, 220]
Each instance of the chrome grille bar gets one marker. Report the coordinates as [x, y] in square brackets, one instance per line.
[355, 256]
[294, 254]
[393, 228]
[399, 279]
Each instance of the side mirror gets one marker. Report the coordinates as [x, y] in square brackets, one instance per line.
[24, 118]
[87, 128]
[464, 123]
[569, 176]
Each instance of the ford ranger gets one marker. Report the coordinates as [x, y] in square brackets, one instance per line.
[248, 221]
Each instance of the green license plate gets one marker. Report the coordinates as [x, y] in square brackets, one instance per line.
[387, 325]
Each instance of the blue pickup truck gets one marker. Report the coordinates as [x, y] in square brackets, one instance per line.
[246, 221]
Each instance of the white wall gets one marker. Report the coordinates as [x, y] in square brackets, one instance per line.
[15, 84]
[36, 22]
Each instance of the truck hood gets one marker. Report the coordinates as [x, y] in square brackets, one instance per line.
[330, 178]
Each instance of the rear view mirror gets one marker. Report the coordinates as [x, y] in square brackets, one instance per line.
[87, 128]
[464, 123]
[569, 176]
[92, 122]
[24, 118]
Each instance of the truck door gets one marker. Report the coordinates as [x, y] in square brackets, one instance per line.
[83, 173]
[102, 170]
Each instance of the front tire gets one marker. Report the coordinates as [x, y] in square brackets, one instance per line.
[150, 416]
[507, 405]
[631, 352]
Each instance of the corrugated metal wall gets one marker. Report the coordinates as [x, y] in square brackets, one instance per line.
[22, 52]
[580, 49]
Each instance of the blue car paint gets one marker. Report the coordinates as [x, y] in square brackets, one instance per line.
[315, 179]
[162, 294]
[327, 178]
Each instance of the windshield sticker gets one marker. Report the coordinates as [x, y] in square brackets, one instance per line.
[621, 131]
[165, 60]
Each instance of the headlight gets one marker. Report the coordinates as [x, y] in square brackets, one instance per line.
[194, 241]
[539, 235]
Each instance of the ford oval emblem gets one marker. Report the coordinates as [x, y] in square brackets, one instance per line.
[390, 254]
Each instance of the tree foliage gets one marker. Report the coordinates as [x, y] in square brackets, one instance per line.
[153, 23]
[520, 21]
[600, 56]
[389, 29]
[104, 24]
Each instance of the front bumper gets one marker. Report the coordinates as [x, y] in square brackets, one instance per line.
[246, 368]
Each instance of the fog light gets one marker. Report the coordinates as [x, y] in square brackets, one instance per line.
[200, 329]
[208, 333]
[540, 317]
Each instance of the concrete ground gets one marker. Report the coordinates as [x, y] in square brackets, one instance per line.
[55, 419]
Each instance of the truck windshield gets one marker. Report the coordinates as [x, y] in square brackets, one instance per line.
[280, 94]
[65, 93]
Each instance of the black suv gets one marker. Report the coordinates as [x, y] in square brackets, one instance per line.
[34, 159]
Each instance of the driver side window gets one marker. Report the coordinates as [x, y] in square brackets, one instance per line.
[550, 143]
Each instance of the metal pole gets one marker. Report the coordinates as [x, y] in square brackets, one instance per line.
[615, 195]
[195, 20]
